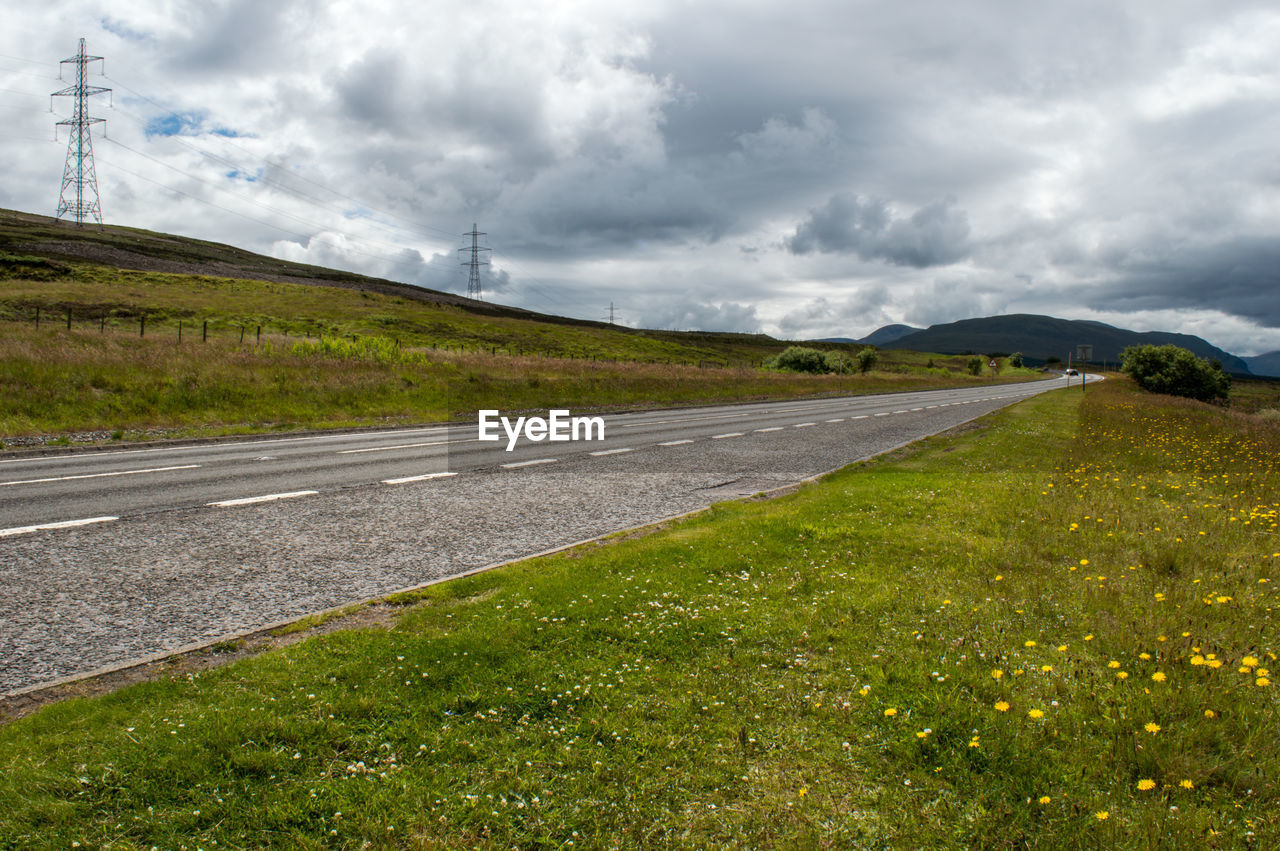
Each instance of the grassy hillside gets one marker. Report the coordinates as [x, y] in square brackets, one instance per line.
[124, 331]
[938, 649]
[1041, 337]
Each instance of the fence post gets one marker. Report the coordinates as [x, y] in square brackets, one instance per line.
[259, 340]
[37, 317]
[179, 330]
[142, 325]
[241, 333]
[102, 324]
[204, 332]
[68, 319]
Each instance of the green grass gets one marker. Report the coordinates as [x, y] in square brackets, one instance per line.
[55, 381]
[818, 670]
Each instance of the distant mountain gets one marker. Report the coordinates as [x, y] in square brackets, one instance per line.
[886, 335]
[1042, 337]
[1268, 364]
[835, 340]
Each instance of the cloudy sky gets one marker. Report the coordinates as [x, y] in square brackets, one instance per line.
[803, 168]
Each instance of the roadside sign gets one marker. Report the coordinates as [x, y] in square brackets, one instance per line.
[992, 364]
[1084, 353]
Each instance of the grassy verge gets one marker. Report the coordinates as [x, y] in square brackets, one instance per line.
[1053, 630]
[58, 381]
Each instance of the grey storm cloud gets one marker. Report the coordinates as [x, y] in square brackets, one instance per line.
[933, 235]
[807, 168]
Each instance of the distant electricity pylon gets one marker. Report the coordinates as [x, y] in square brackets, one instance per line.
[610, 317]
[473, 277]
[79, 171]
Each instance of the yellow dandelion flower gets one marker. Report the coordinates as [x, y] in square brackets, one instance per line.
[1084, 562]
[1262, 681]
[1249, 661]
[1036, 713]
[1122, 675]
[1062, 648]
[1152, 727]
[804, 790]
[1028, 644]
[997, 674]
[890, 712]
[1197, 660]
[1209, 713]
[923, 734]
[1002, 706]
[1214, 663]
[1102, 815]
[1145, 785]
[1045, 799]
[1113, 664]
[1089, 637]
[1159, 676]
[1146, 657]
[1263, 672]
[1046, 668]
[998, 577]
[1187, 784]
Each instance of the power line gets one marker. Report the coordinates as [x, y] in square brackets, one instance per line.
[79, 173]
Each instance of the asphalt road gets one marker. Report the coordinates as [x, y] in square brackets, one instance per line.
[165, 564]
[94, 485]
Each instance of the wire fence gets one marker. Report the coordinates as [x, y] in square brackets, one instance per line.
[153, 325]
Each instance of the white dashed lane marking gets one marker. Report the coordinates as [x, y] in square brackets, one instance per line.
[730, 434]
[424, 477]
[675, 443]
[389, 448]
[64, 524]
[774, 428]
[254, 500]
[613, 451]
[98, 475]
[512, 466]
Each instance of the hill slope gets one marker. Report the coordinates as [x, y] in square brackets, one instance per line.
[1268, 364]
[887, 334]
[1041, 337]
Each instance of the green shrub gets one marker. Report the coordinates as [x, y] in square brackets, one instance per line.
[838, 362]
[975, 366]
[1015, 360]
[1174, 371]
[799, 359]
[868, 358]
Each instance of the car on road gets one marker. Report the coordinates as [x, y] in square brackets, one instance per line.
[1071, 372]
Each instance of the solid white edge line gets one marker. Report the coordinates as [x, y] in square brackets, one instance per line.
[389, 448]
[611, 451]
[62, 524]
[253, 500]
[515, 464]
[97, 475]
[675, 443]
[730, 434]
[424, 477]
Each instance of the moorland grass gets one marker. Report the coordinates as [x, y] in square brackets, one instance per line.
[1052, 630]
[59, 381]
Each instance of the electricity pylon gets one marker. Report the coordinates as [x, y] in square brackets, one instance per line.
[473, 277]
[79, 171]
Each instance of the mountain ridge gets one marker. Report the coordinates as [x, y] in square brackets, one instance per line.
[1040, 337]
